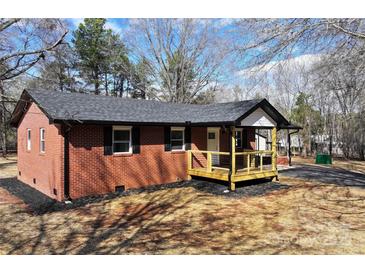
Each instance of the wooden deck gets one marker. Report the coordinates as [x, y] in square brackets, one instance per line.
[239, 176]
[250, 165]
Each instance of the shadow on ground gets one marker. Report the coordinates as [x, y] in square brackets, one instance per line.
[329, 175]
[243, 189]
[38, 203]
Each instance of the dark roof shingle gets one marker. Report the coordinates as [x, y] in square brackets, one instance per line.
[95, 108]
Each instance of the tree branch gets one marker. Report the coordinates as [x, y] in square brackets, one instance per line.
[40, 51]
[8, 23]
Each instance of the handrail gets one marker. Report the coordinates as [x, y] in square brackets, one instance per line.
[207, 151]
[254, 152]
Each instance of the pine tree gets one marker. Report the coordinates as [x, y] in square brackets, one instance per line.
[90, 41]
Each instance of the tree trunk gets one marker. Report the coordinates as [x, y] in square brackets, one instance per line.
[106, 84]
[309, 134]
[97, 87]
[2, 121]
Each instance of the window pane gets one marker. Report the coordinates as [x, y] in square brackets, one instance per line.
[43, 146]
[176, 144]
[238, 139]
[121, 135]
[177, 134]
[120, 147]
[211, 135]
[28, 139]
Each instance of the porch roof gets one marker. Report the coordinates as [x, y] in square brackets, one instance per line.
[95, 109]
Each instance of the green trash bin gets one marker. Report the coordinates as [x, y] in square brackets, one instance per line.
[323, 159]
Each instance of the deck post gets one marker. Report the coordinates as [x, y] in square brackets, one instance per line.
[232, 151]
[190, 163]
[273, 148]
[261, 162]
[248, 163]
[209, 161]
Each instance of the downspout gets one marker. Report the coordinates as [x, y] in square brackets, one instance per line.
[289, 144]
[66, 161]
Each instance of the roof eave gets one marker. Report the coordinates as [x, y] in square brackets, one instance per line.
[281, 121]
[101, 122]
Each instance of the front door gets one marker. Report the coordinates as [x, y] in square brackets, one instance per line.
[213, 144]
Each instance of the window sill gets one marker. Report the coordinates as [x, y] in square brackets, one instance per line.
[127, 154]
[178, 151]
[42, 153]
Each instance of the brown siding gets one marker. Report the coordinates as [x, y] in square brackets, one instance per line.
[47, 168]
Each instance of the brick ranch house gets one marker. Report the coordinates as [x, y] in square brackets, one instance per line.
[72, 145]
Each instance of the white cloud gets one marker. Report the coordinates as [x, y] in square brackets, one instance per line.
[114, 26]
[305, 61]
[76, 21]
[227, 21]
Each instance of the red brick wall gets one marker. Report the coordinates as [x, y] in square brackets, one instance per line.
[282, 160]
[199, 142]
[46, 168]
[251, 138]
[91, 172]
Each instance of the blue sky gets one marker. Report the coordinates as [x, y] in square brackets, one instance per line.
[120, 25]
[116, 24]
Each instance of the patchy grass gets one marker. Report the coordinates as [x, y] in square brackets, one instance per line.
[306, 218]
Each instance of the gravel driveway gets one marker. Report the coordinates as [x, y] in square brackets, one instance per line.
[324, 174]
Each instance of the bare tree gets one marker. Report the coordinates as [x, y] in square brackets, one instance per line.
[341, 78]
[265, 40]
[336, 90]
[23, 43]
[184, 56]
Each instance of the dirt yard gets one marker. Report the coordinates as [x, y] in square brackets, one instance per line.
[302, 217]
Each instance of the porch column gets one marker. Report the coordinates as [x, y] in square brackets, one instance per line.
[273, 148]
[233, 159]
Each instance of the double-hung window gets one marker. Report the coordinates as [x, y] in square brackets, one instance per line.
[177, 138]
[238, 134]
[42, 140]
[29, 139]
[122, 139]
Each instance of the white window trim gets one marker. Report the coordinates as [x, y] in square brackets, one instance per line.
[239, 130]
[42, 140]
[183, 138]
[29, 140]
[130, 151]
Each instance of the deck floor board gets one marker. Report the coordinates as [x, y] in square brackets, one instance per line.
[240, 175]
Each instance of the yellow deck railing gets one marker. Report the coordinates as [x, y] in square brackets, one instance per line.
[248, 157]
[246, 172]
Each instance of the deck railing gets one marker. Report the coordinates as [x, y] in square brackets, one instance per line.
[235, 171]
[250, 157]
[209, 163]
[248, 165]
